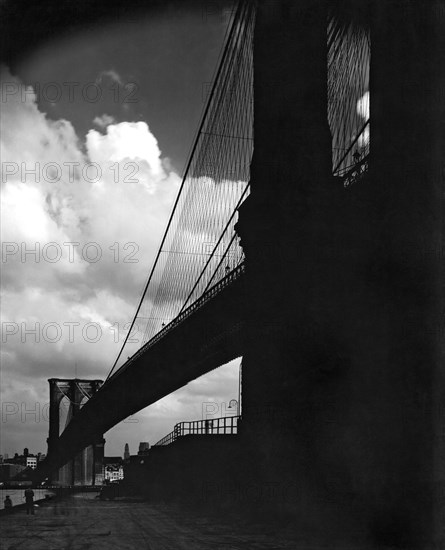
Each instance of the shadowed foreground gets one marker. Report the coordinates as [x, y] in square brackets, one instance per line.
[82, 522]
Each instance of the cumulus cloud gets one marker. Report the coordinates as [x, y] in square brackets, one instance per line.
[82, 218]
[125, 142]
[81, 221]
[363, 110]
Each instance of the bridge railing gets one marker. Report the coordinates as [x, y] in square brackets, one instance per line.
[356, 172]
[208, 295]
[227, 425]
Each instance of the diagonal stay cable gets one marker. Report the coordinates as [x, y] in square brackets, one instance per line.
[203, 119]
[223, 257]
[354, 141]
[216, 246]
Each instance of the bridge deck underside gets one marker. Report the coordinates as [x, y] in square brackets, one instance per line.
[209, 338]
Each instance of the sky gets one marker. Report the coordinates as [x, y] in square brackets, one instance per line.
[95, 130]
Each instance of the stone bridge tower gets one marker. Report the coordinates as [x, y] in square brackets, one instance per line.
[86, 467]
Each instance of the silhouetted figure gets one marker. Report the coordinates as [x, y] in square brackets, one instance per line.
[8, 503]
[29, 499]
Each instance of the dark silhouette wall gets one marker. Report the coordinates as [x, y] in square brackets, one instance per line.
[342, 379]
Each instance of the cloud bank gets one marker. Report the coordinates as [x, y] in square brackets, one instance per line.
[81, 222]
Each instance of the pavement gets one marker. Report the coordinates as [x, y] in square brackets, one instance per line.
[82, 522]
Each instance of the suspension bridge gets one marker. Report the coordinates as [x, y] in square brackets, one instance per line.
[291, 244]
[190, 314]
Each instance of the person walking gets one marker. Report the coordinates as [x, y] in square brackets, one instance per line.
[8, 503]
[29, 499]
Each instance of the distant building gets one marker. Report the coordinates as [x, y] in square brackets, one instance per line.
[27, 459]
[113, 468]
[126, 452]
[114, 473]
[144, 447]
[31, 462]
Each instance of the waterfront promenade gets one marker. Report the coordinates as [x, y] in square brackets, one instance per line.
[18, 495]
[82, 522]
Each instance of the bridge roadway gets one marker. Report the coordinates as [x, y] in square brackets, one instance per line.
[207, 334]
[82, 522]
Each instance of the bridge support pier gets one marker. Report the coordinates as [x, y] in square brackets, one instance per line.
[86, 467]
[342, 386]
